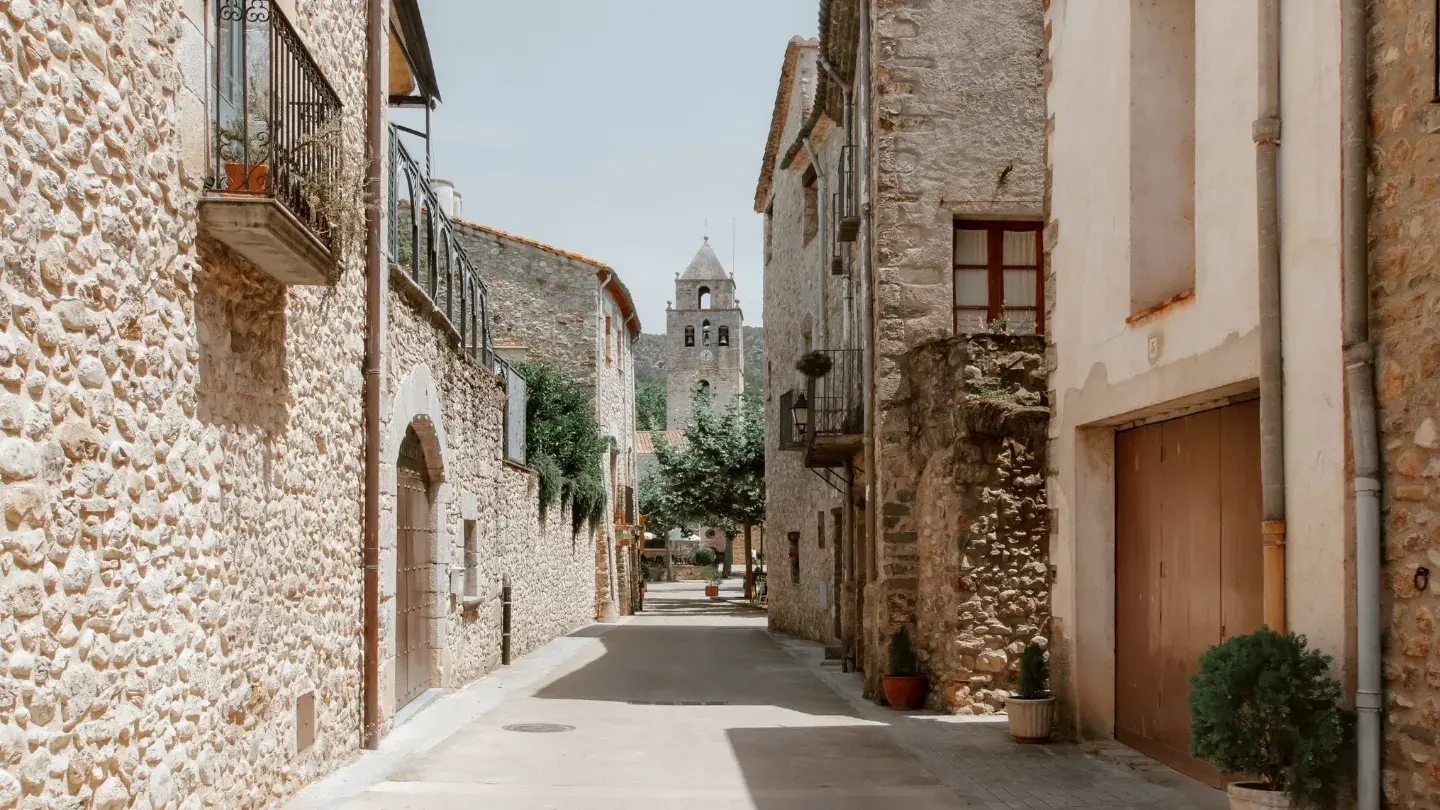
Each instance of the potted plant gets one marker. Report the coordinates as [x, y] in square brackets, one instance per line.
[244, 145]
[712, 581]
[1264, 706]
[1031, 710]
[814, 364]
[903, 685]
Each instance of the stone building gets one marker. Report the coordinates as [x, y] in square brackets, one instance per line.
[704, 342]
[902, 188]
[573, 312]
[183, 322]
[1405, 319]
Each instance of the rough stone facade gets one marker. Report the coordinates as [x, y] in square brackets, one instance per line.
[957, 131]
[551, 305]
[978, 434]
[180, 458]
[1406, 329]
[706, 305]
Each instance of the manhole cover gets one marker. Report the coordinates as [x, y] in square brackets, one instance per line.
[539, 728]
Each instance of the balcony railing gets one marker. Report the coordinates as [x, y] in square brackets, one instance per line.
[423, 245]
[848, 210]
[837, 412]
[276, 122]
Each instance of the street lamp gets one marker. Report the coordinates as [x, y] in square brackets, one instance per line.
[801, 411]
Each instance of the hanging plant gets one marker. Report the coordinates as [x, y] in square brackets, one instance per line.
[814, 364]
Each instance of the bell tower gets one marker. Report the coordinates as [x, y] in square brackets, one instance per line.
[704, 346]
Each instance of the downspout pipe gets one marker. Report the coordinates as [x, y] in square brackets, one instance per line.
[1360, 392]
[1266, 133]
[822, 332]
[610, 611]
[375, 88]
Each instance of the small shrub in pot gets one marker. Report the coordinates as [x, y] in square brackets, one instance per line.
[903, 684]
[1264, 706]
[1031, 710]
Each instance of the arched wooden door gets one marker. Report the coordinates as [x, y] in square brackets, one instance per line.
[412, 572]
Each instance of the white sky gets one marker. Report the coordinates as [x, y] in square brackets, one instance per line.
[614, 128]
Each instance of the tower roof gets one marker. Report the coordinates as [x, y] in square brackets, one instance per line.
[705, 266]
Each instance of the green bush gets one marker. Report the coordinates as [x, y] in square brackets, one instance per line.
[564, 443]
[705, 556]
[902, 653]
[1034, 673]
[1264, 705]
[711, 574]
[552, 481]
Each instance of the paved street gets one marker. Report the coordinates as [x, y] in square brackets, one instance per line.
[693, 704]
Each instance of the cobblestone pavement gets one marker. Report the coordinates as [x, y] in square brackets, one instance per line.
[694, 703]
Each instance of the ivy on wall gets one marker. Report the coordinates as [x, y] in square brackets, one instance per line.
[564, 444]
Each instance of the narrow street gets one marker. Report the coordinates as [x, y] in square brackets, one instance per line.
[694, 704]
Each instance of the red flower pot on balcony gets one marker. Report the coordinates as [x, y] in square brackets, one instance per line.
[236, 179]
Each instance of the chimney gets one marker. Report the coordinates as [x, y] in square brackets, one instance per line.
[449, 198]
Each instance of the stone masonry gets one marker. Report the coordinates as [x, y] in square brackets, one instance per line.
[1406, 298]
[978, 435]
[957, 132]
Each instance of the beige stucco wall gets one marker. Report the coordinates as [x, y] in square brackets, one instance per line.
[1208, 347]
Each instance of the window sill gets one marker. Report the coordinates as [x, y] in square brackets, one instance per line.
[1156, 310]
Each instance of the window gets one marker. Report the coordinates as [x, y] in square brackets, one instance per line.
[999, 275]
[812, 205]
[689, 336]
[702, 388]
[705, 333]
[703, 299]
[472, 561]
[724, 338]
[820, 530]
[609, 330]
[793, 539]
[769, 225]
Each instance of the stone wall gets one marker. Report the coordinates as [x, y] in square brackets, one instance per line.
[1406, 297]
[957, 131]
[979, 511]
[456, 408]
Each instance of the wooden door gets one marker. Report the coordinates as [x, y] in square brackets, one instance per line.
[1187, 567]
[412, 573]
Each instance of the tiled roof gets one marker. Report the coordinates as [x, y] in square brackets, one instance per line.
[777, 117]
[645, 440]
[618, 289]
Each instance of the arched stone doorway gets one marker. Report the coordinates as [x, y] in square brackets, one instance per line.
[415, 536]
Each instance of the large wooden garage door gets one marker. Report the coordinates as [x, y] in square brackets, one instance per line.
[412, 569]
[1187, 567]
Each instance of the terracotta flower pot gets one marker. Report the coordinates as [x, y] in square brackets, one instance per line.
[904, 692]
[712, 591]
[1031, 721]
[236, 180]
[1254, 796]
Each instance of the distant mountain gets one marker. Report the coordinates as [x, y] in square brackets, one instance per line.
[650, 357]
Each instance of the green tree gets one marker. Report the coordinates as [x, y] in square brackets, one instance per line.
[718, 477]
[650, 406]
[564, 444]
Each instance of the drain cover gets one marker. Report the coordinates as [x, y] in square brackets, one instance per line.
[539, 728]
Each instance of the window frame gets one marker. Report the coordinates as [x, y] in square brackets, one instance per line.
[995, 268]
[609, 333]
[810, 209]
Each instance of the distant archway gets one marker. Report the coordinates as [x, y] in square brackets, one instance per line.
[703, 299]
[705, 333]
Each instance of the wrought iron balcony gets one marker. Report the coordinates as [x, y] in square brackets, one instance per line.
[836, 410]
[276, 147]
[848, 209]
[423, 246]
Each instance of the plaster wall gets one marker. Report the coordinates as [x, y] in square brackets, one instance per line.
[1111, 369]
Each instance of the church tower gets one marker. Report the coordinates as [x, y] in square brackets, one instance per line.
[703, 344]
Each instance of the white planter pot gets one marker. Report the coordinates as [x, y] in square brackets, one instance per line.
[1245, 796]
[1030, 720]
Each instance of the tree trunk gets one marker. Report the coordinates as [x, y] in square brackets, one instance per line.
[669, 557]
[749, 573]
[729, 542]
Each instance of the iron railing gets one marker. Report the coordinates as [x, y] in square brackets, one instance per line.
[423, 243]
[848, 209]
[276, 122]
[836, 399]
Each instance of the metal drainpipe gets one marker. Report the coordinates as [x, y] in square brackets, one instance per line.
[821, 332]
[1360, 385]
[374, 290]
[1266, 133]
[610, 612]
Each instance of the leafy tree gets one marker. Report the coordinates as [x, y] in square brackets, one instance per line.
[650, 406]
[564, 444]
[718, 477]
